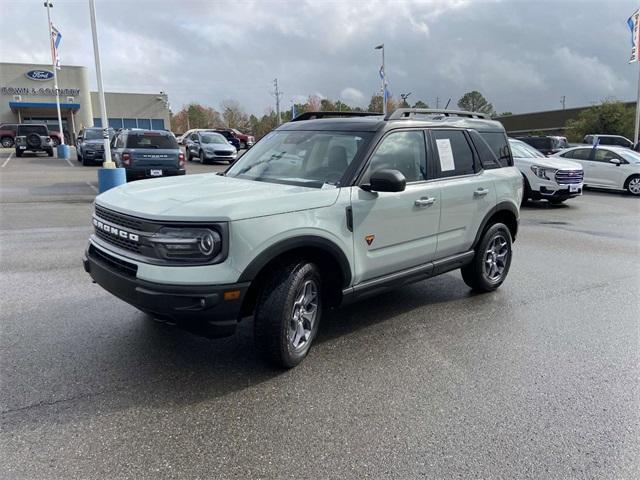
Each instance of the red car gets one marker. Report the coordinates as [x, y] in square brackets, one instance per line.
[8, 135]
[246, 141]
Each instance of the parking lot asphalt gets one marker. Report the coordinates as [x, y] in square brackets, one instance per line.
[539, 379]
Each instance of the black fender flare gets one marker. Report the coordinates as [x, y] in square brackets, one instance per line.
[283, 246]
[500, 207]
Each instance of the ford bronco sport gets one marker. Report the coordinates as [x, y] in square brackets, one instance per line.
[320, 212]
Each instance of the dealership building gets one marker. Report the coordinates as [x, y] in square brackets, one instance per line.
[27, 95]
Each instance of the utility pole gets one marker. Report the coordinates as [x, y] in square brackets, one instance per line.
[562, 100]
[383, 78]
[277, 93]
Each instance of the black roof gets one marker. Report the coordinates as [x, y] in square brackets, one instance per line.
[374, 123]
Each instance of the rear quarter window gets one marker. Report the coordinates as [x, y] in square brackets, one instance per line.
[150, 140]
[499, 144]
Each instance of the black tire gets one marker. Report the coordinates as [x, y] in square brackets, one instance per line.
[85, 162]
[6, 142]
[18, 153]
[275, 315]
[187, 154]
[203, 160]
[556, 201]
[79, 157]
[631, 185]
[475, 274]
[526, 191]
[50, 152]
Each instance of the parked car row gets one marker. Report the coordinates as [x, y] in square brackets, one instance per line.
[235, 137]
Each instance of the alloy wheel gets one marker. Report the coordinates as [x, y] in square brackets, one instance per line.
[496, 258]
[303, 316]
[634, 186]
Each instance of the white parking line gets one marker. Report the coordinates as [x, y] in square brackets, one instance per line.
[7, 160]
[93, 187]
[69, 162]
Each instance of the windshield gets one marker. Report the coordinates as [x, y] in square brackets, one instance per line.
[306, 158]
[523, 150]
[151, 140]
[212, 138]
[630, 156]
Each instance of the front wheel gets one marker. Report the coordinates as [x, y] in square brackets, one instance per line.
[288, 313]
[50, 152]
[18, 153]
[7, 142]
[633, 185]
[55, 141]
[491, 262]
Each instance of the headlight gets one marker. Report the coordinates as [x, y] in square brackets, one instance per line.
[546, 173]
[188, 244]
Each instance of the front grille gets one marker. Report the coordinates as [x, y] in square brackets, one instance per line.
[118, 218]
[118, 241]
[126, 268]
[569, 176]
[222, 153]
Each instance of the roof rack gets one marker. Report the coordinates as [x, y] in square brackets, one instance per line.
[401, 113]
[316, 115]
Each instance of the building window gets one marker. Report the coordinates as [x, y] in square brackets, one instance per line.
[130, 123]
[157, 124]
[115, 123]
[144, 123]
[97, 122]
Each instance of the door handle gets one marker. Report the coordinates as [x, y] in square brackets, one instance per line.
[424, 202]
[480, 192]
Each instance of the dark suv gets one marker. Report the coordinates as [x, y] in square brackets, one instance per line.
[546, 145]
[147, 153]
[90, 145]
[33, 138]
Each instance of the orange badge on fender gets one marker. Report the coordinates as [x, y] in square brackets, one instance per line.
[369, 239]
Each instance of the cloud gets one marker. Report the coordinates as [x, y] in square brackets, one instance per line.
[521, 55]
[352, 95]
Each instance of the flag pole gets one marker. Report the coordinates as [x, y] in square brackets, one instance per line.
[635, 134]
[55, 72]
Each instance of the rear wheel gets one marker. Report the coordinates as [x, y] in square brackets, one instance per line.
[633, 185]
[491, 262]
[288, 313]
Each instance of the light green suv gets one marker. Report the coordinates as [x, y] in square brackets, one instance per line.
[320, 212]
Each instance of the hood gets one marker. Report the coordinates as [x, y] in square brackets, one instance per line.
[549, 162]
[218, 146]
[211, 197]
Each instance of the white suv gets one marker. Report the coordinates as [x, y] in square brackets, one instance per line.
[611, 167]
[320, 212]
[550, 178]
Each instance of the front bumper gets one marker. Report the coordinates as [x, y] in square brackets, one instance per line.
[209, 310]
[557, 191]
[214, 156]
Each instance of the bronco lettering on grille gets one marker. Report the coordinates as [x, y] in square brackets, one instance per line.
[115, 231]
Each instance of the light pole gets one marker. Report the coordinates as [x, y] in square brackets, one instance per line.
[383, 77]
[404, 97]
[49, 6]
[103, 107]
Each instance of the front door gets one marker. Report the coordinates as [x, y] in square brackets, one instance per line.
[396, 230]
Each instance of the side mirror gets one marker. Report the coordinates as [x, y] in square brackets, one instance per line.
[615, 161]
[386, 181]
[79, 139]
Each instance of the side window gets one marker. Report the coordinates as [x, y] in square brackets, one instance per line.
[487, 158]
[454, 153]
[194, 136]
[604, 155]
[500, 146]
[120, 143]
[402, 151]
[568, 154]
[581, 154]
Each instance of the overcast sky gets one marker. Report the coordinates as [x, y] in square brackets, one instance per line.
[522, 55]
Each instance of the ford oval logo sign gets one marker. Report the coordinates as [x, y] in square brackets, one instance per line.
[40, 75]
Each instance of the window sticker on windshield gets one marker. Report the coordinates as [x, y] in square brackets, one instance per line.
[445, 154]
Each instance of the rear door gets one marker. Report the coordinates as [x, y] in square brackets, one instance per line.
[467, 191]
[393, 231]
